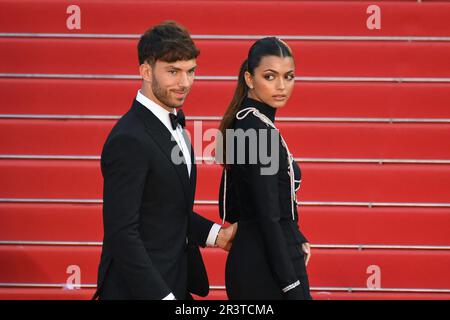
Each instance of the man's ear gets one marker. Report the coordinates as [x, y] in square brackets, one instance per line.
[248, 79]
[145, 71]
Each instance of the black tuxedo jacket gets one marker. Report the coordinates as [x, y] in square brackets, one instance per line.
[148, 217]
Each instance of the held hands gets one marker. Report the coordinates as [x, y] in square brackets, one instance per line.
[306, 248]
[225, 237]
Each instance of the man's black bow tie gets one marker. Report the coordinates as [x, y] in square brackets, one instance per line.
[177, 119]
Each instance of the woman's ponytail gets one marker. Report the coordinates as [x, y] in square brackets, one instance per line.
[240, 93]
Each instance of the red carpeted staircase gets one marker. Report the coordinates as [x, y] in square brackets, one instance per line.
[369, 124]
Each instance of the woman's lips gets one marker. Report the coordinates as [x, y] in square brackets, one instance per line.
[279, 97]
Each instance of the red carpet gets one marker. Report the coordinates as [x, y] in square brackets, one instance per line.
[369, 123]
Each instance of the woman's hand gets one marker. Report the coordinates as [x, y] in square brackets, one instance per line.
[306, 248]
[226, 236]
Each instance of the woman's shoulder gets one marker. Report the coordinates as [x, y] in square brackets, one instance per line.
[246, 119]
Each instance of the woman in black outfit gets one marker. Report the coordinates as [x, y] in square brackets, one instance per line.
[269, 254]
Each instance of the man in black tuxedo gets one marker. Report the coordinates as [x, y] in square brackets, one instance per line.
[151, 234]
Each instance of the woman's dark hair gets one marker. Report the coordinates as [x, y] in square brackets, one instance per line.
[168, 42]
[269, 46]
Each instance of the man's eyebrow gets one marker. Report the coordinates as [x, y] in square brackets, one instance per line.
[178, 69]
[173, 68]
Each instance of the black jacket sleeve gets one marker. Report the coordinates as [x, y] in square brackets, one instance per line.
[199, 228]
[124, 169]
[232, 213]
[264, 192]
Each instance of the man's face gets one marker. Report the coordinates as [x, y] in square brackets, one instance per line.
[172, 81]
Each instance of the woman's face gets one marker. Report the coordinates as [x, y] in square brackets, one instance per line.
[273, 81]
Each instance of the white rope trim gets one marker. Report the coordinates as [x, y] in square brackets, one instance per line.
[299, 184]
[218, 118]
[208, 160]
[247, 111]
[224, 196]
[290, 158]
[222, 287]
[215, 202]
[227, 36]
[358, 247]
[291, 286]
[222, 78]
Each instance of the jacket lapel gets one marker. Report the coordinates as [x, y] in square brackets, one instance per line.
[191, 148]
[163, 138]
[193, 177]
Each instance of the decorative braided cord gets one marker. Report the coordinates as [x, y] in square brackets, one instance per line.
[224, 196]
[245, 112]
[291, 286]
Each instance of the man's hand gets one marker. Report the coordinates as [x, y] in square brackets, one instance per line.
[306, 247]
[225, 237]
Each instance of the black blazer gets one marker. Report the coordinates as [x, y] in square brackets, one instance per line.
[264, 200]
[148, 214]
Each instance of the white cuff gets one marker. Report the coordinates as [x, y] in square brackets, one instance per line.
[211, 241]
[170, 296]
[291, 286]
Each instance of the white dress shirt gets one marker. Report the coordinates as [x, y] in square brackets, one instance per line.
[163, 115]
